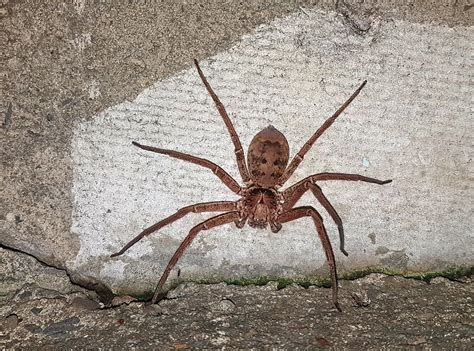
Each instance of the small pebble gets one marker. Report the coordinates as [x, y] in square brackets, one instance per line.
[361, 298]
[225, 305]
[440, 280]
[153, 310]
[182, 290]
[120, 300]
[272, 286]
[11, 321]
[418, 340]
[85, 303]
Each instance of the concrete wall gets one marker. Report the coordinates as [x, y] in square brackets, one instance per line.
[77, 190]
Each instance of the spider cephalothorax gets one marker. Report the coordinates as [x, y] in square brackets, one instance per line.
[261, 204]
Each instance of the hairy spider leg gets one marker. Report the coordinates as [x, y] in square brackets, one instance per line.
[225, 177]
[239, 152]
[292, 197]
[339, 176]
[308, 211]
[216, 206]
[323, 200]
[307, 146]
[296, 191]
[207, 224]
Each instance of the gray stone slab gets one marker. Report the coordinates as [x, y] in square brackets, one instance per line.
[395, 313]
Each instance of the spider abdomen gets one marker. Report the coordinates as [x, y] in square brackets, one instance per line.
[267, 157]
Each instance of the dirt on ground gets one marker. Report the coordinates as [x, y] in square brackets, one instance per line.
[379, 312]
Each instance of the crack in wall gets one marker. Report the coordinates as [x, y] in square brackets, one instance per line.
[104, 293]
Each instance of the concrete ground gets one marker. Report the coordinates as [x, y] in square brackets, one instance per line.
[379, 313]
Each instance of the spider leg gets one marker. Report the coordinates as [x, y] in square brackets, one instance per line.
[230, 182]
[239, 153]
[240, 223]
[207, 224]
[340, 176]
[307, 146]
[294, 193]
[292, 197]
[217, 206]
[308, 211]
[323, 200]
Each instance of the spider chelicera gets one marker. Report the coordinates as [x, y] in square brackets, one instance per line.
[261, 203]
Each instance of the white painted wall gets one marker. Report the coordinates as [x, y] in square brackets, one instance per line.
[411, 123]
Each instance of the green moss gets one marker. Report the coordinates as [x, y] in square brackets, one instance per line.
[263, 280]
[146, 296]
[248, 281]
[451, 273]
[365, 272]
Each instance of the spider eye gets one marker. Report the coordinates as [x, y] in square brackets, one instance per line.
[264, 161]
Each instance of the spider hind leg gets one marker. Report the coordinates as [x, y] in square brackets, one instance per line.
[308, 211]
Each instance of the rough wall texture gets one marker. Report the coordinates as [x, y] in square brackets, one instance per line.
[292, 73]
[64, 166]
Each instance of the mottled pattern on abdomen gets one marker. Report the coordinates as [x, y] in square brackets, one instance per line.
[267, 157]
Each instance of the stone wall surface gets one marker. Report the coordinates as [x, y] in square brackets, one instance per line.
[81, 85]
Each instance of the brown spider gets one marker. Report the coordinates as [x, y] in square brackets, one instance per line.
[261, 203]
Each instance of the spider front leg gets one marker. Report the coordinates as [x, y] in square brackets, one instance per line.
[216, 206]
[308, 211]
[230, 182]
[239, 152]
[295, 162]
[207, 224]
